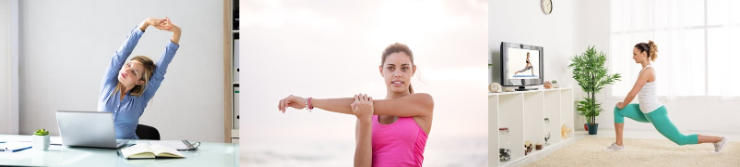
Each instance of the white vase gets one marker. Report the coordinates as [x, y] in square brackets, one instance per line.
[41, 142]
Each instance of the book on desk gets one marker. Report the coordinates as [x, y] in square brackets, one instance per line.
[146, 151]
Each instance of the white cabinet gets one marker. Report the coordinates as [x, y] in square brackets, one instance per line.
[523, 113]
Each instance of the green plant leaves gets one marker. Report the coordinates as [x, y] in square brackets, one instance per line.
[41, 132]
[591, 74]
[589, 108]
[589, 71]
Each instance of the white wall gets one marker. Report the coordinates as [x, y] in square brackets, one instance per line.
[9, 122]
[524, 22]
[5, 109]
[66, 46]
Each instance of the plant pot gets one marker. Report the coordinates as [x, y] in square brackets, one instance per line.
[592, 129]
[41, 142]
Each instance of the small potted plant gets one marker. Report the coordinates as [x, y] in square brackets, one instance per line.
[41, 140]
[555, 84]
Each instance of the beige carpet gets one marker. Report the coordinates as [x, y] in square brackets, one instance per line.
[641, 152]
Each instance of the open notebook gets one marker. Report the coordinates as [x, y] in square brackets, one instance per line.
[150, 151]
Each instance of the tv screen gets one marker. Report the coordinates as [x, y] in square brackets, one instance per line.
[521, 65]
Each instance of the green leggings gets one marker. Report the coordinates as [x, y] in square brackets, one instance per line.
[659, 119]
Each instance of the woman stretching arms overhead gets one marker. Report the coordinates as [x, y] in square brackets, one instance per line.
[128, 86]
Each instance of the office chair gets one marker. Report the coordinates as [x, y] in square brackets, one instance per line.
[146, 132]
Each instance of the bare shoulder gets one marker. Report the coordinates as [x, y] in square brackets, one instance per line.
[423, 99]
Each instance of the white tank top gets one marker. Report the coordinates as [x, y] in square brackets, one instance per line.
[648, 96]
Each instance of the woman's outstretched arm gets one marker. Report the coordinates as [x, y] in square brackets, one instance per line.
[418, 104]
[362, 107]
[641, 80]
[165, 59]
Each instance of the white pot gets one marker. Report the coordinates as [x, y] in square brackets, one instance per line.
[41, 142]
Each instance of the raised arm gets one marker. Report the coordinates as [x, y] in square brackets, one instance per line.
[641, 80]
[111, 75]
[418, 104]
[164, 60]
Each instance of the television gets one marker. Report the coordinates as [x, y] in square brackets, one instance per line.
[520, 65]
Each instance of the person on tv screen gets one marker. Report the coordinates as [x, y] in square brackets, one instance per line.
[527, 67]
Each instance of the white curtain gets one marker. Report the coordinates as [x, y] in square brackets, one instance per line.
[697, 41]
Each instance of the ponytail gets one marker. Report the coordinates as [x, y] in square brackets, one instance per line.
[651, 48]
[653, 51]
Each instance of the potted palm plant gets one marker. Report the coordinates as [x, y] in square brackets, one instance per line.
[41, 139]
[591, 75]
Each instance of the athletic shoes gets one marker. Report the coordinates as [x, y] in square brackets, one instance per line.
[614, 147]
[719, 145]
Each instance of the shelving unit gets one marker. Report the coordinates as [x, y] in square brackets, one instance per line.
[523, 112]
[231, 73]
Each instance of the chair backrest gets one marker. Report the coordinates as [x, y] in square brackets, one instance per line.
[146, 132]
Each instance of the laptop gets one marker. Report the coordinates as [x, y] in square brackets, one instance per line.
[88, 129]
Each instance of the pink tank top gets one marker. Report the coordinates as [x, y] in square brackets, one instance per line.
[398, 144]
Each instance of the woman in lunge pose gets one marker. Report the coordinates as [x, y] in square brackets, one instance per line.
[649, 109]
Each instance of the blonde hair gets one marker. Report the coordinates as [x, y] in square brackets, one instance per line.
[395, 48]
[149, 66]
[650, 47]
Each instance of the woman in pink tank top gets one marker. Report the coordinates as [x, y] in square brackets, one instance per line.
[389, 132]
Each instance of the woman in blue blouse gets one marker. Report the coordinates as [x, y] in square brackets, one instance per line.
[128, 86]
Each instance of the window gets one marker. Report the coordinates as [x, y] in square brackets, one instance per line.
[695, 38]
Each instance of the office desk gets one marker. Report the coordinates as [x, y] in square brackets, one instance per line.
[208, 154]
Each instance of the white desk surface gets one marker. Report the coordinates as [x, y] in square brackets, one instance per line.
[208, 154]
